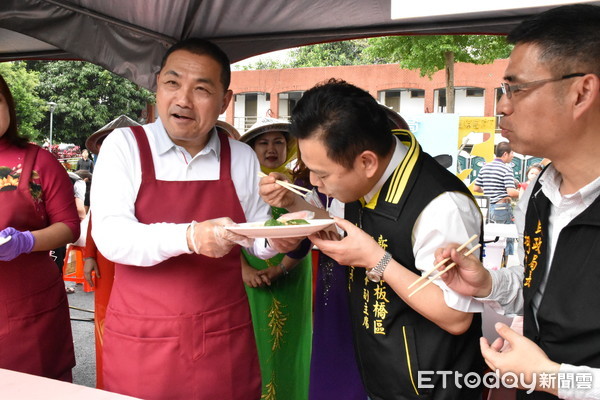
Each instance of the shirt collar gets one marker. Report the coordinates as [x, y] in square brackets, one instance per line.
[164, 143]
[399, 153]
[551, 180]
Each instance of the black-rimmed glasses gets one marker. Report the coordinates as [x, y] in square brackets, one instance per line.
[509, 89]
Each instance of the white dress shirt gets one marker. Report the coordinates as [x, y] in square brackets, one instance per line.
[507, 283]
[117, 178]
[452, 217]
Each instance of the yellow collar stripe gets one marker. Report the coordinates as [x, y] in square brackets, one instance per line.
[402, 174]
[399, 178]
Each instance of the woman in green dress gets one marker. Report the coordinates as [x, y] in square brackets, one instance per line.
[280, 289]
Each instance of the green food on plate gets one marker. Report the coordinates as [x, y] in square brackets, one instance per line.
[274, 222]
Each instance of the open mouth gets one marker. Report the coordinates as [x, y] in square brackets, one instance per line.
[181, 117]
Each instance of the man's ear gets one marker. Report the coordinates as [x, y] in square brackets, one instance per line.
[226, 100]
[368, 162]
[587, 94]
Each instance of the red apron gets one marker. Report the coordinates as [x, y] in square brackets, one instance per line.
[35, 326]
[182, 329]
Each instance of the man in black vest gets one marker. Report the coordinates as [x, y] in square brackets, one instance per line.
[551, 108]
[399, 203]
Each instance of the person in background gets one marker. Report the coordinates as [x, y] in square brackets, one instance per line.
[532, 172]
[99, 271]
[178, 323]
[38, 214]
[550, 108]
[496, 181]
[86, 176]
[400, 204]
[85, 163]
[79, 189]
[279, 289]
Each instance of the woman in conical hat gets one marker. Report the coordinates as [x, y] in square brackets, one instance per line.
[280, 289]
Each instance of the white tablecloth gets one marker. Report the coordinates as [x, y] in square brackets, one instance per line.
[20, 386]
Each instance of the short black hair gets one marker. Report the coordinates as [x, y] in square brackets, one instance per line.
[569, 37]
[203, 47]
[346, 118]
[503, 147]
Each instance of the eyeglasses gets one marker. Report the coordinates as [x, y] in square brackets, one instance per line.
[508, 89]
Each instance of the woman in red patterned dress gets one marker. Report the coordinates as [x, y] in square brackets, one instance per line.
[37, 214]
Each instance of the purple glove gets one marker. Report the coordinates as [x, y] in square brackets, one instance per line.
[20, 242]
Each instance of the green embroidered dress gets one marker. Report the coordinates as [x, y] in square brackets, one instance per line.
[281, 315]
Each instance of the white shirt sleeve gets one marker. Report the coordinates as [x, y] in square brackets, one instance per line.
[451, 217]
[117, 179]
[255, 209]
[79, 189]
[506, 297]
[120, 237]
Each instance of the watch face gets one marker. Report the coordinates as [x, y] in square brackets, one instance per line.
[373, 276]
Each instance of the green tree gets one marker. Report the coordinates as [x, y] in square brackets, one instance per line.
[348, 52]
[29, 107]
[263, 64]
[87, 97]
[433, 53]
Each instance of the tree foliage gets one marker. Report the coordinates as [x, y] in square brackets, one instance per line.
[87, 98]
[264, 64]
[349, 52]
[29, 107]
[432, 53]
[426, 53]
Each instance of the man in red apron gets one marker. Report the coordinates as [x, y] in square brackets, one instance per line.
[178, 324]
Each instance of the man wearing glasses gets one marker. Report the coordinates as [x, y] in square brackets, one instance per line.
[550, 108]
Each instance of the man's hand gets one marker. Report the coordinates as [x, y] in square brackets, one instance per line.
[469, 277]
[521, 357]
[90, 265]
[211, 239]
[273, 194]
[357, 249]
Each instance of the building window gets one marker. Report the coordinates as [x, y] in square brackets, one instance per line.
[417, 93]
[475, 92]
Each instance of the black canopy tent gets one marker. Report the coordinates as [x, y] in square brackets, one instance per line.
[129, 37]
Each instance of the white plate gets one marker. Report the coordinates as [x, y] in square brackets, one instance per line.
[258, 230]
[4, 240]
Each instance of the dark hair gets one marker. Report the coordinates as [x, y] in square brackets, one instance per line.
[84, 174]
[503, 147]
[532, 166]
[203, 47]
[11, 134]
[346, 118]
[568, 36]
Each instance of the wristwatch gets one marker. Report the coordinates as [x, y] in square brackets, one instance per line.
[376, 274]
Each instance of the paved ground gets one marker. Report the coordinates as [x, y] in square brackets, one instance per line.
[82, 324]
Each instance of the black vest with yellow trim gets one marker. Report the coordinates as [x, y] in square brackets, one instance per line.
[394, 342]
[568, 326]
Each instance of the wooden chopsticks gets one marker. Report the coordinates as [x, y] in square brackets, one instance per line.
[289, 186]
[452, 265]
